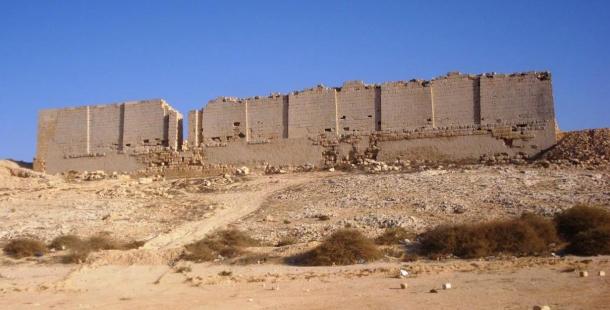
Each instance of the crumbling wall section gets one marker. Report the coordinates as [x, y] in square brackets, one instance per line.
[105, 128]
[517, 98]
[224, 120]
[356, 112]
[455, 100]
[452, 117]
[103, 137]
[406, 105]
[312, 112]
[267, 118]
[195, 131]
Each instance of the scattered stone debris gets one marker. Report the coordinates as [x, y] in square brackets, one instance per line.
[404, 273]
[583, 274]
[94, 175]
[242, 171]
[585, 148]
[145, 180]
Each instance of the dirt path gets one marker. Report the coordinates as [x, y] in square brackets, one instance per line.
[233, 206]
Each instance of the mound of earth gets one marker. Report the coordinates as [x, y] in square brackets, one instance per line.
[17, 169]
[591, 146]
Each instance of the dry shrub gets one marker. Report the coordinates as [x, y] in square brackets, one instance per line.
[594, 241]
[79, 249]
[65, 242]
[76, 256]
[25, 247]
[393, 252]
[344, 247]
[579, 219]
[587, 229]
[528, 235]
[393, 235]
[288, 240]
[249, 259]
[102, 242]
[226, 243]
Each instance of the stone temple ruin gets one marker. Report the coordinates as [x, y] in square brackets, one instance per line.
[451, 118]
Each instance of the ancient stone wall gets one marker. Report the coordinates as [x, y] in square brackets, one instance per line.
[357, 107]
[455, 100]
[516, 98]
[312, 111]
[452, 117]
[224, 120]
[406, 105]
[103, 136]
[267, 118]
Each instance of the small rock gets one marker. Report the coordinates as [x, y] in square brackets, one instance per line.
[242, 171]
[542, 307]
[583, 274]
[433, 291]
[602, 273]
[145, 180]
[403, 273]
[447, 286]
[331, 170]
[403, 285]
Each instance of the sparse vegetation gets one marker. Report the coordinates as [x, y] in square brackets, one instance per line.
[225, 243]
[25, 247]
[288, 240]
[394, 235]
[65, 242]
[595, 241]
[528, 235]
[250, 259]
[79, 249]
[586, 229]
[323, 217]
[344, 247]
[225, 273]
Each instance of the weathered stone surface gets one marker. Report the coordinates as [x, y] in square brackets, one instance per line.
[451, 118]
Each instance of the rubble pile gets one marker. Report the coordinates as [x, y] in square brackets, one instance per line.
[584, 148]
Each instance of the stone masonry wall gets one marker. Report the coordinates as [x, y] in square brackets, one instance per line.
[267, 118]
[455, 116]
[456, 100]
[104, 136]
[406, 105]
[224, 120]
[516, 98]
[356, 103]
[312, 112]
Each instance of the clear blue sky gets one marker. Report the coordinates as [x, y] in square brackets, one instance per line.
[67, 53]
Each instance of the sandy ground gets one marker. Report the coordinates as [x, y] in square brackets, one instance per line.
[475, 285]
[168, 214]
